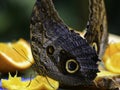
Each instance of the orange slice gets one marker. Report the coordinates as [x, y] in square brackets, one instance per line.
[111, 58]
[112, 49]
[43, 83]
[15, 56]
[38, 83]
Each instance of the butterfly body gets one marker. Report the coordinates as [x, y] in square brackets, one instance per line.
[58, 52]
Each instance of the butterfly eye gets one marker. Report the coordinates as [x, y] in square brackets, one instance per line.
[50, 50]
[94, 45]
[72, 66]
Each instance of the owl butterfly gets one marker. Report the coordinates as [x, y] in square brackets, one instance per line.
[61, 53]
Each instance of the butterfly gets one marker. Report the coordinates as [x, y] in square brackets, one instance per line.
[61, 53]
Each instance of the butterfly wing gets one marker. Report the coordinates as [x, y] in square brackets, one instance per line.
[58, 52]
[97, 34]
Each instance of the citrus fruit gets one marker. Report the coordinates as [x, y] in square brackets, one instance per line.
[38, 83]
[15, 56]
[112, 49]
[111, 58]
[44, 83]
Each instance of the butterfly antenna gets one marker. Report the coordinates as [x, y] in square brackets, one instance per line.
[23, 55]
[47, 78]
[49, 82]
[30, 81]
[41, 72]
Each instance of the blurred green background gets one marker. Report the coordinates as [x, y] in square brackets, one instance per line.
[15, 16]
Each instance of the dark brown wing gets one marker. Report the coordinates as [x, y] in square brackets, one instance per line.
[97, 34]
[58, 52]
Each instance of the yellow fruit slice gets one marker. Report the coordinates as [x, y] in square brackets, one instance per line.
[113, 63]
[112, 49]
[15, 56]
[111, 58]
[43, 83]
[38, 83]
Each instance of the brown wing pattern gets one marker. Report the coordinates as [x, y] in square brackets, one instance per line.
[97, 34]
[58, 52]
